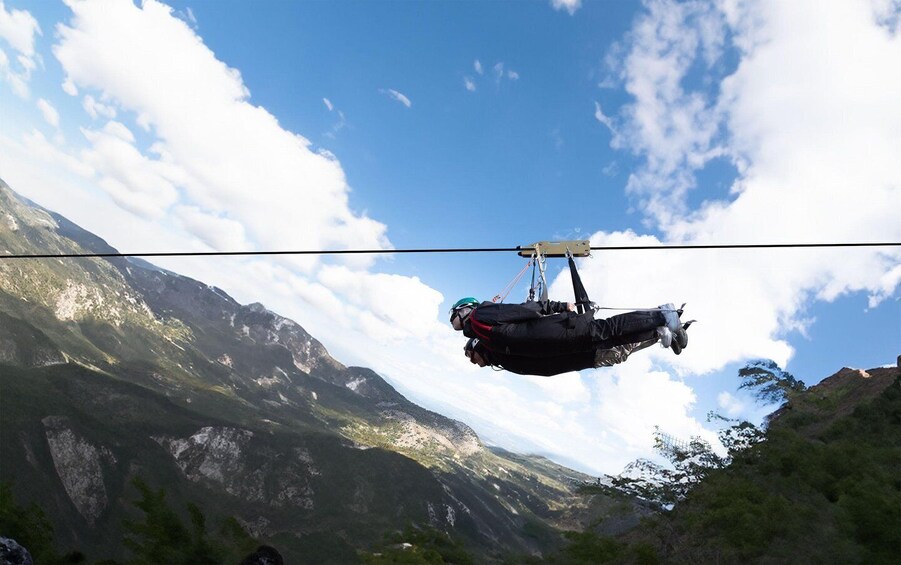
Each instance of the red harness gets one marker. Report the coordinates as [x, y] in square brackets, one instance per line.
[481, 329]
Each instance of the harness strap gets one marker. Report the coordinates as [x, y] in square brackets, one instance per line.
[582, 301]
[502, 295]
[481, 329]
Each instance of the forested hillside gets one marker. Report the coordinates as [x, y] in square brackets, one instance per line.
[823, 486]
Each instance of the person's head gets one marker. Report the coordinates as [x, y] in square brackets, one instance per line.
[475, 353]
[461, 310]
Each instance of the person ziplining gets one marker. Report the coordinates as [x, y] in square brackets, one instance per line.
[545, 337]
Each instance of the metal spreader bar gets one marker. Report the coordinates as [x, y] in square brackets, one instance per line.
[577, 248]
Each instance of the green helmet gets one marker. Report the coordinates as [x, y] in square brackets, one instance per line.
[461, 305]
[463, 302]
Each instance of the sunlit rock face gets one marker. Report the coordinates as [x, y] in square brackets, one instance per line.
[79, 466]
[226, 458]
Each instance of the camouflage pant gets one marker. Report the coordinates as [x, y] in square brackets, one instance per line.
[618, 354]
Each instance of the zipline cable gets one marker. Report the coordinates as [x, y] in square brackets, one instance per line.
[437, 250]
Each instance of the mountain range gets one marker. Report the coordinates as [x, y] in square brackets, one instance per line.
[113, 369]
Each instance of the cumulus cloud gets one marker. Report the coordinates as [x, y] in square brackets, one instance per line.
[399, 96]
[197, 107]
[469, 84]
[387, 297]
[675, 129]
[633, 399]
[51, 116]
[69, 87]
[97, 109]
[144, 186]
[802, 145]
[477, 65]
[731, 406]
[18, 29]
[217, 232]
[569, 5]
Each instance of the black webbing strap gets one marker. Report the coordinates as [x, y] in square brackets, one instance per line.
[582, 301]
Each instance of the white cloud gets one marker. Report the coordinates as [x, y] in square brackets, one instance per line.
[562, 389]
[498, 71]
[674, 129]
[569, 5]
[187, 15]
[97, 109]
[387, 297]
[400, 97]
[197, 108]
[69, 88]
[603, 118]
[814, 135]
[221, 234]
[730, 405]
[328, 104]
[143, 186]
[18, 29]
[39, 148]
[51, 116]
[633, 399]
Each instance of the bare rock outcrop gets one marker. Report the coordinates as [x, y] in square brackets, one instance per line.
[79, 465]
[219, 456]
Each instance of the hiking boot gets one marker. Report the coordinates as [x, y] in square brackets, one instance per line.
[680, 340]
[671, 316]
[665, 336]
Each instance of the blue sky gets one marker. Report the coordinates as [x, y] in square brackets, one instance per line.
[262, 125]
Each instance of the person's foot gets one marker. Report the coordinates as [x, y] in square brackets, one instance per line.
[680, 340]
[671, 316]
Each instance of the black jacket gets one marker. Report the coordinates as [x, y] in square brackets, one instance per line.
[540, 366]
[531, 329]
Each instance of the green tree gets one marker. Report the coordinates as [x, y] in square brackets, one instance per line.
[31, 529]
[162, 537]
[770, 383]
[28, 526]
[689, 463]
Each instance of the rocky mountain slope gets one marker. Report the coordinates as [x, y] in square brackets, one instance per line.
[113, 368]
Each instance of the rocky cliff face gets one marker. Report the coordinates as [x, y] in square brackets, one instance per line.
[220, 458]
[79, 465]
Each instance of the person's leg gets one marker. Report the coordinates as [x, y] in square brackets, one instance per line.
[609, 329]
[619, 353]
